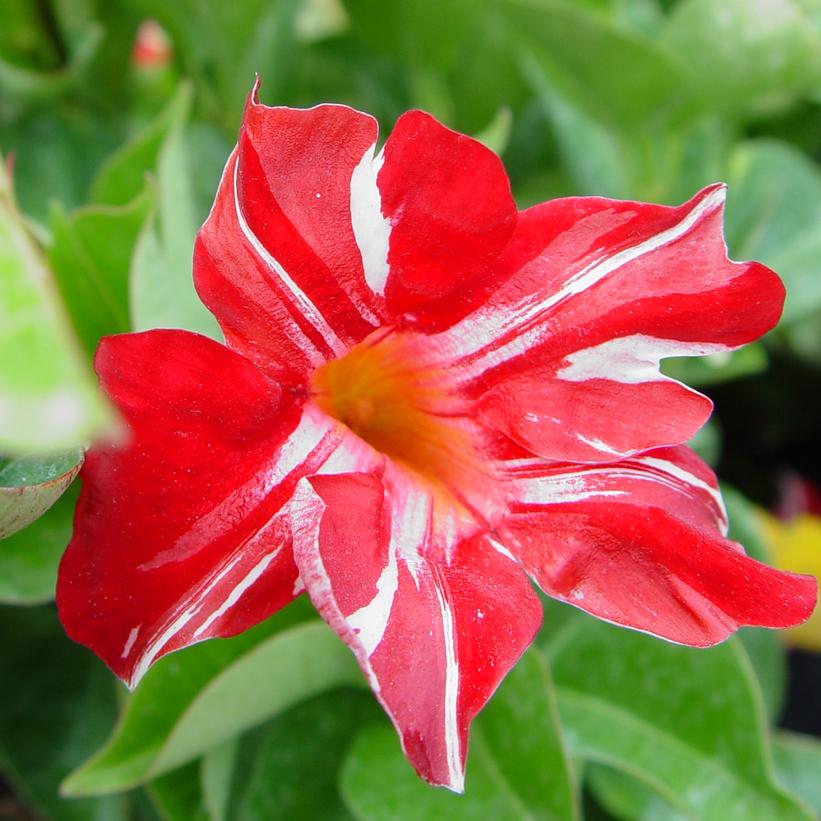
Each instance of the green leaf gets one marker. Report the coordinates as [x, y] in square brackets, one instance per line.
[121, 178]
[29, 558]
[590, 152]
[298, 781]
[700, 371]
[160, 248]
[798, 766]
[516, 768]
[192, 701]
[25, 85]
[178, 796]
[618, 77]
[162, 286]
[29, 486]
[707, 442]
[216, 775]
[161, 282]
[496, 134]
[773, 213]
[90, 254]
[627, 796]
[48, 397]
[688, 721]
[764, 647]
[745, 524]
[56, 152]
[58, 705]
[745, 56]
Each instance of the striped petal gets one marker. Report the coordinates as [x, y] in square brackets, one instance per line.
[434, 635]
[640, 543]
[182, 534]
[277, 261]
[564, 358]
[447, 199]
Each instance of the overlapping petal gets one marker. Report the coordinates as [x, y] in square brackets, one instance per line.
[448, 202]
[179, 535]
[315, 240]
[277, 261]
[435, 627]
[564, 357]
[640, 543]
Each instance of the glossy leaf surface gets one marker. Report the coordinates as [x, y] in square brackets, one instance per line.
[194, 701]
[48, 399]
[30, 486]
[516, 768]
[689, 722]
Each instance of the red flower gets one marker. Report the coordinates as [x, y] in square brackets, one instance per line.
[423, 394]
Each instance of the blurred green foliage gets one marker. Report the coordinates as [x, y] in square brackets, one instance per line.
[114, 163]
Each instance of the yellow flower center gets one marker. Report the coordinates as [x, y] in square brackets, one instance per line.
[399, 407]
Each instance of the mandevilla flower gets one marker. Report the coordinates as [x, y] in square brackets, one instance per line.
[424, 398]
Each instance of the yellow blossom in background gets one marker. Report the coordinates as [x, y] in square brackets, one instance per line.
[796, 546]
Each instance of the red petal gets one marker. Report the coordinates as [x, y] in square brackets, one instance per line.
[451, 213]
[640, 543]
[434, 638]
[277, 260]
[180, 535]
[564, 354]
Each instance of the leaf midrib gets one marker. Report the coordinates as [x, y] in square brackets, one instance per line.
[663, 740]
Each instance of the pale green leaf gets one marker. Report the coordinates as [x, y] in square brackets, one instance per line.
[48, 396]
[619, 77]
[744, 56]
[216, 775]
[798, 766]
[689, 722]
[162, 279]
[192, 701]
[773, 214]
[29, 486]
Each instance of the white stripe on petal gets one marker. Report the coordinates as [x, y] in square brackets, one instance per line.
[560, 488]
[455, 772]
[303, 303]
[498, 326]
[155, 648]
[567, 487]
[307, 510]
[370, 227]
[688, 478]
[236, 593]
[630, 359]
[370, 621]
[129, 643]
[598, 445]
[312, 442]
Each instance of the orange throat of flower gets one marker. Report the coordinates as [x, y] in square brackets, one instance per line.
[400, 408]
